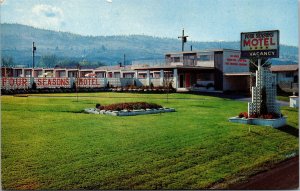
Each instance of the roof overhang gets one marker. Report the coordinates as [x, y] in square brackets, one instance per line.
[239, 74]
[173, 67]
[285, 70]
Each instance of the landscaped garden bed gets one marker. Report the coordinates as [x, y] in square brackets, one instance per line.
[269, 119]
[128, 109]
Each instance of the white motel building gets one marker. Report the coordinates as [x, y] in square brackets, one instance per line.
[215, 70]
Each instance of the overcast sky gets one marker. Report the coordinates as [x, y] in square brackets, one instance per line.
[203, 20]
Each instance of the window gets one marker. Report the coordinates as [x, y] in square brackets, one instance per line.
[18, 73]
[176, 59]
[205, 77]
[204, 57]
[128, 75]
[142, 75]
[27, 73]
[156, 75]
[289, 74]
[117, 75]
[100, 74]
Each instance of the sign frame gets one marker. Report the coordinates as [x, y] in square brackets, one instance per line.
[246, 54]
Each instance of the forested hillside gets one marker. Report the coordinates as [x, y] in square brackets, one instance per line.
[67, 49]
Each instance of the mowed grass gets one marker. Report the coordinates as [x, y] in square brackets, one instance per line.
[48, 144]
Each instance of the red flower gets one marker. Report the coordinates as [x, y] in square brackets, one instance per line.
[243, 114]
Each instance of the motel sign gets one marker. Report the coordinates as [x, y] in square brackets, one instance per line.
[261, 44]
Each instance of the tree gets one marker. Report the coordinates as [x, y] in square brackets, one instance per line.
[7, 62]
[68, 63]
[48, 61]
[84, 62]
[167, 83]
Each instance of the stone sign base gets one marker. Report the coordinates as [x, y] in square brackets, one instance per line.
[129, 113]
[275, 123]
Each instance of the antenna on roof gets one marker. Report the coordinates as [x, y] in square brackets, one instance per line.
[124, 60]
[183, 39]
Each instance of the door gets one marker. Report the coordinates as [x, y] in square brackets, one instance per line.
[187, 80]
[181, 81]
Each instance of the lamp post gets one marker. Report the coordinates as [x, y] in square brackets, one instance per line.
[33, 51]
[77, 78]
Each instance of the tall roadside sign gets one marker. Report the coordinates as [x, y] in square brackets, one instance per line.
[260, 44]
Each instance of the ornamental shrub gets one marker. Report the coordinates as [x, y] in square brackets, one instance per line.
[243, 114]
[270, 116]
[263, 116]
[33, 85]
[130, 106]
[253, 115]
[151, 85]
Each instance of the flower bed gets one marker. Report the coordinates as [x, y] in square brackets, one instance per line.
[129, 109]
[130, 106]
[269, 119]
[143, 90]
[262, 116]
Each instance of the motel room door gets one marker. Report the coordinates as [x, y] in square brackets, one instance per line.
[187, 80]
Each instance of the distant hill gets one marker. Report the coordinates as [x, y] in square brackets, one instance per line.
[17, 43]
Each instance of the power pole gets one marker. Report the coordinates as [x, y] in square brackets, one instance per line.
[33, 51]
[183, 39]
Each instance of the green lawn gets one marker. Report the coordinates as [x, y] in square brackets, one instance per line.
[48, 144]
[283, 98]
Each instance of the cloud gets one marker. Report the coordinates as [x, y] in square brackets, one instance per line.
[47, 16]
[47, 10]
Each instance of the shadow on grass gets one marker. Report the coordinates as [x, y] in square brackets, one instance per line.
[206, 106]
[228, 95]
[290, 130]
[69, 111]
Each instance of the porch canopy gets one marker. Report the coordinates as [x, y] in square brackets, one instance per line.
[183, 76]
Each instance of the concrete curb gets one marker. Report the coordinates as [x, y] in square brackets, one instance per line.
[275, 123]
[128, 113]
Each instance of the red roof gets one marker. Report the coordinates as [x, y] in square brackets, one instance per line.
[285, 68]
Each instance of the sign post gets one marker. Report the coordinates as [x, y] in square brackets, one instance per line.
[258, 45]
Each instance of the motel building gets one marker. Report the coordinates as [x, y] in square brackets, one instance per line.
[287, 77]
[209, 70]
[217, 70]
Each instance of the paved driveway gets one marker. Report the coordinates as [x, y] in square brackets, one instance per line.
[284, 175]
